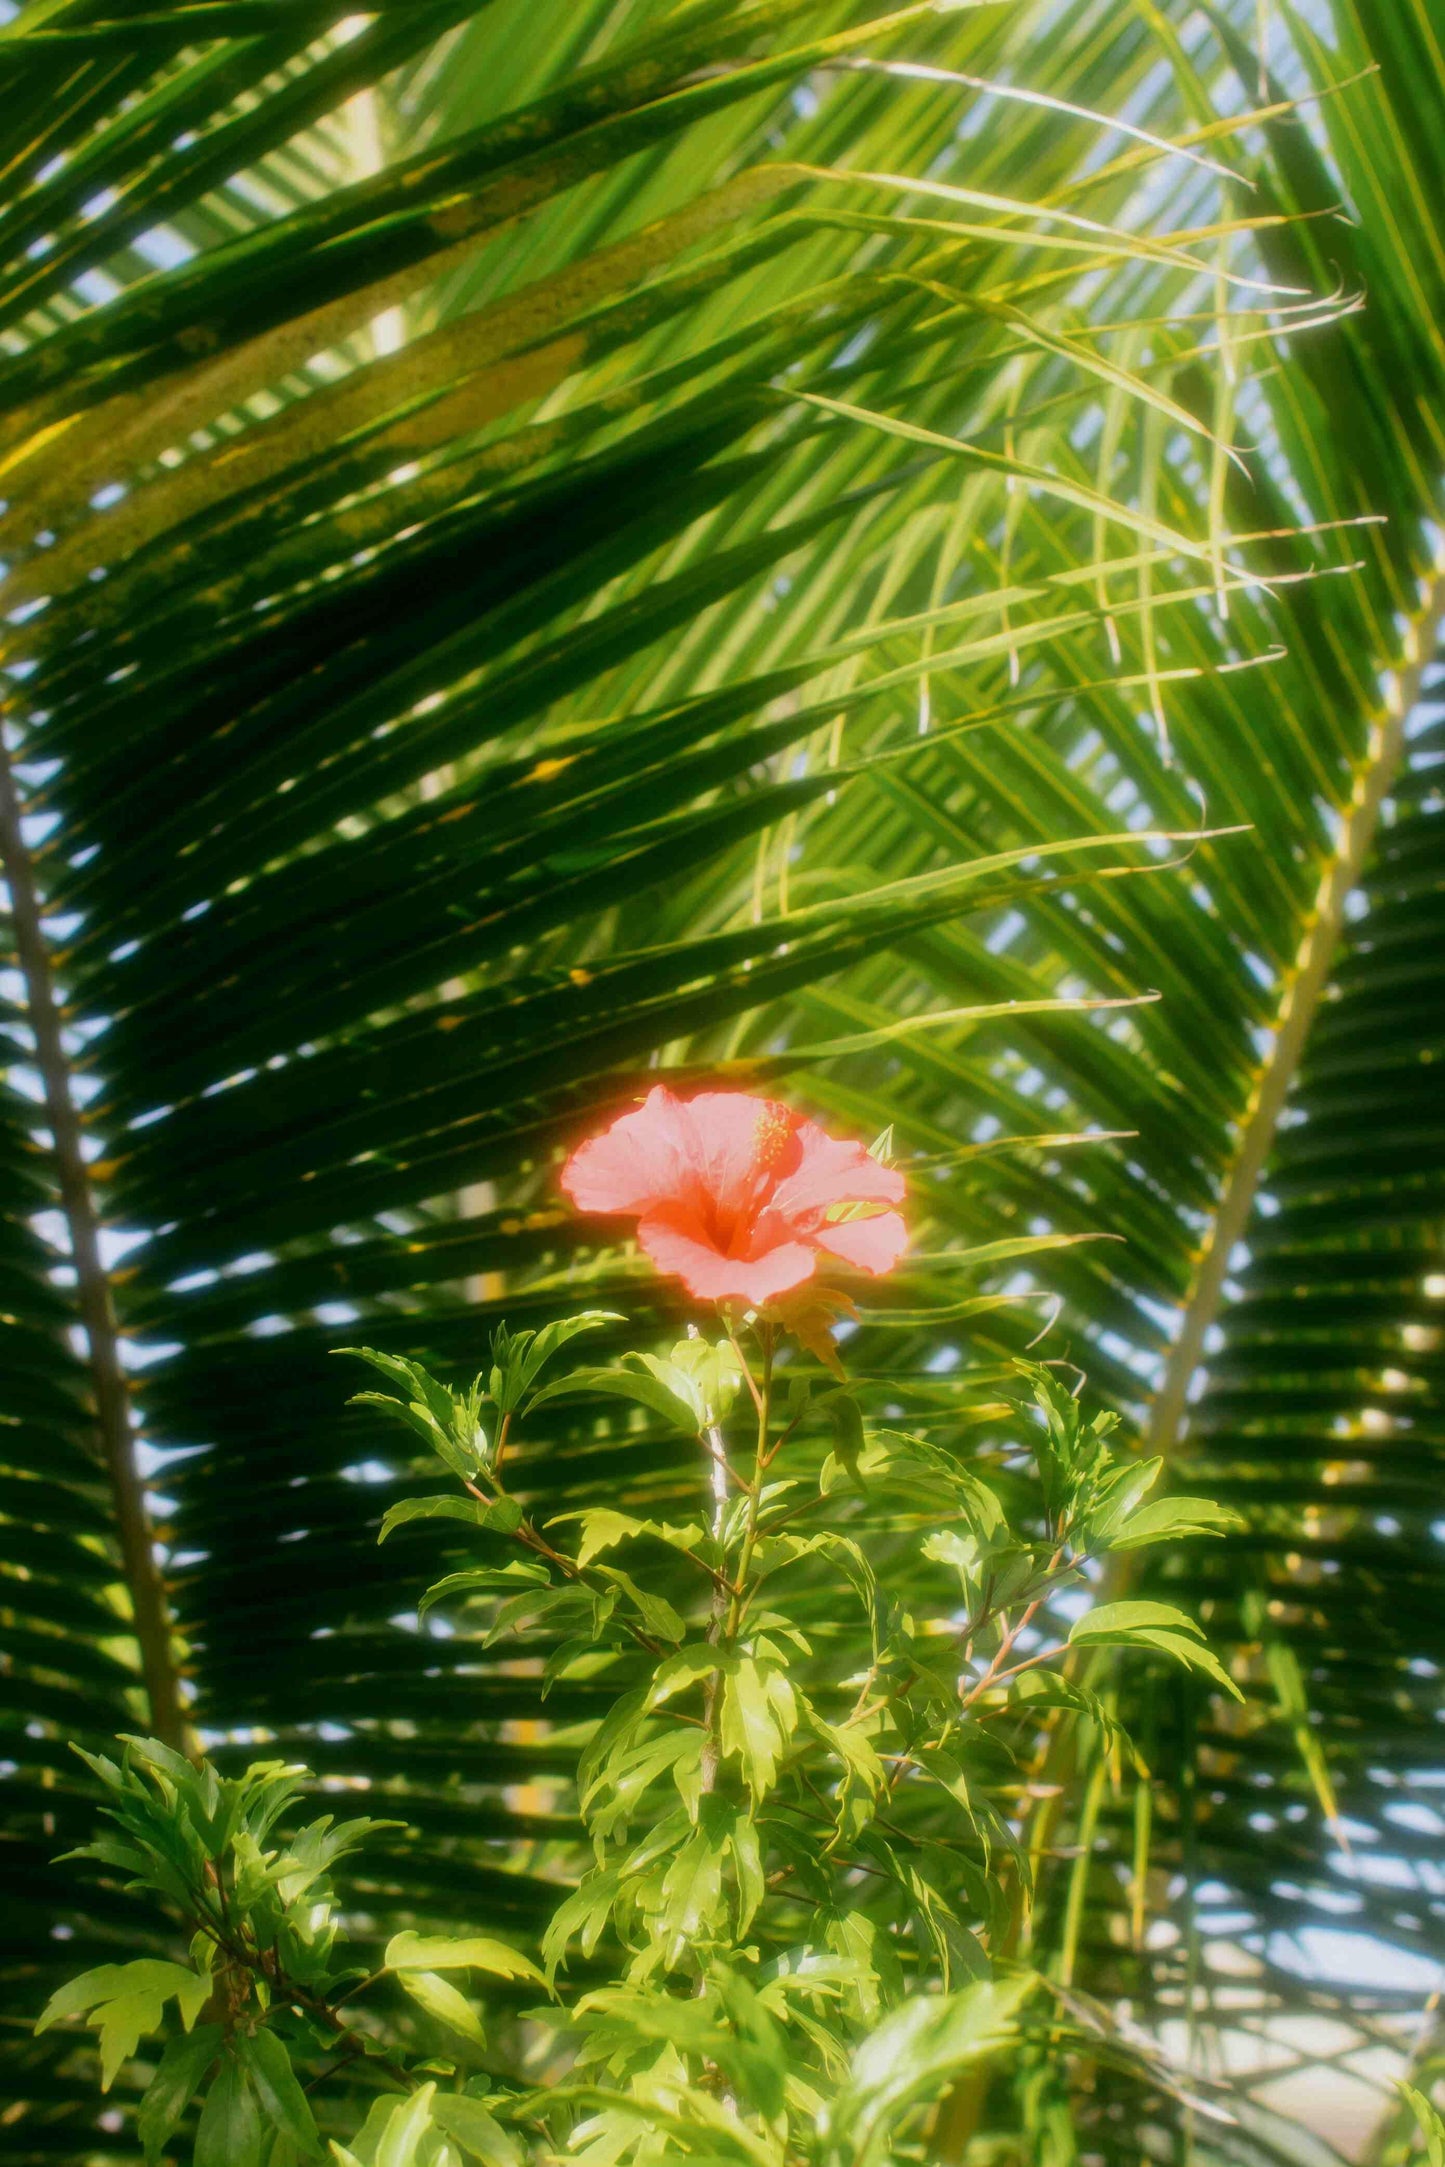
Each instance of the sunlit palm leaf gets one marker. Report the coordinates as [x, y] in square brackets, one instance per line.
[449, 737]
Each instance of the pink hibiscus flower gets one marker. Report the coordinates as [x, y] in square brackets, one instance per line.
[738, 1196]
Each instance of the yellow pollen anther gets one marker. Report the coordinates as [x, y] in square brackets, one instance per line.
[771, 1136]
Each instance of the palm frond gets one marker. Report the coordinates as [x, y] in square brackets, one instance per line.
[666, 537]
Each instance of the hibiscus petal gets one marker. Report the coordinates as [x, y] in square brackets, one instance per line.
[873, 1245]
[738, 1143]
[834, 1170]
[641, 1159]
[680, 1248]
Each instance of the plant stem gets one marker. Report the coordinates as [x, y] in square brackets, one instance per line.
[729, 1599]
[763, 1397]
[501, 1452]
[150, 1612]
[1010, 1634]
[742, 1365]
[721, 1591]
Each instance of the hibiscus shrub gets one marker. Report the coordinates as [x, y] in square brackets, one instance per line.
[800, 1935]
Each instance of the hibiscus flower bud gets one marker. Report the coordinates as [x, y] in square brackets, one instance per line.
[737, 1196]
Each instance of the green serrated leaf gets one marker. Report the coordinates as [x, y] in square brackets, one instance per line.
[283, 2103]
[602, 1529]
[471, 1952]
[476, 2129]
[404, 2128]
[230, 2132]
[655, 1611]
[178, 2076]
[759, 1712]
[1109, 1621]
[1170, 1518]
[502, 1518]
[536, 1350]
[125, 2002]
[686, 1668]
[1153, 1625]
[484, 1580]
[691, 1900]
[441, 2000]
[642, 1386]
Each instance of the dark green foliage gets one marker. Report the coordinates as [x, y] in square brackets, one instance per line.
[800, 1817]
